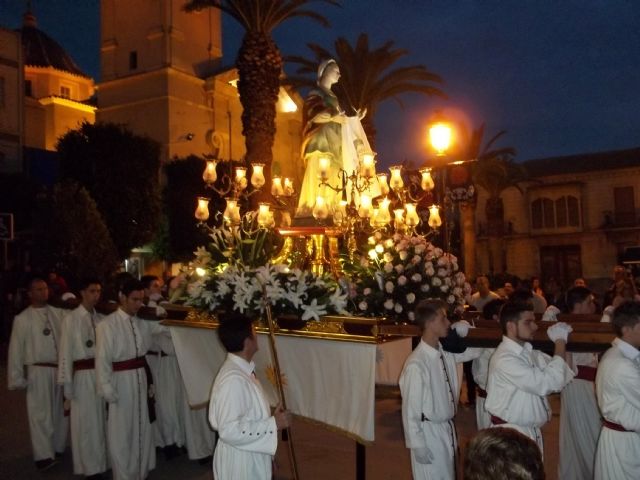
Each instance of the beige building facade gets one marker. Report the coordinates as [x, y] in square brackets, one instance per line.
[575, 219]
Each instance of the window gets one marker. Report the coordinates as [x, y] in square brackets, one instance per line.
[2, 93]
[65, 92]
[560, 213]
[28, 88]
[624, 206]
[133, 60]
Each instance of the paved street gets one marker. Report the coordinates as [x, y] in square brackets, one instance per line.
[321, 454]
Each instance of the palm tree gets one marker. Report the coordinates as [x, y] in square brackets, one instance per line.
[365, 79]
[495, 171]
[259, 65]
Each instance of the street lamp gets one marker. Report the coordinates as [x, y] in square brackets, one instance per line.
[440, 135]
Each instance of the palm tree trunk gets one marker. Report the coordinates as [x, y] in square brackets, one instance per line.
[495, 231]
[469, 238]
[259, 66]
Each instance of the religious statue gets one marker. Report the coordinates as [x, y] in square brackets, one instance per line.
[330, 134]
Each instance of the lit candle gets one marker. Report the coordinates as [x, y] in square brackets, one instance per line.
[374, 221]
[395, 182]
[229, 210]
[427, 182]
[368, 168]
[434, 216]
[263, 214]
[235, 214]
[210, 175]
[384, 217]
[288, 187]
[241, 177]
[323, 165]
[382, 181]
[257, 177]
[398, 220]
[365, 209]
[276, 187]
[320, 209]
[202, 210]
[411, 219]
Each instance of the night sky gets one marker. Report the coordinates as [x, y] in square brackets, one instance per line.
[560, 76]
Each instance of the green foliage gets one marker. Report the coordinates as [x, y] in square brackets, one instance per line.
[18, 196]
[71, 235]
[120, 170]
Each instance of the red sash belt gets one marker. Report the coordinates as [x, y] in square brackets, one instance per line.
[46, 364]
[497, 420]
[134, 364]
[586, 373]
[481, 393]
[84, 364]
[614, 426]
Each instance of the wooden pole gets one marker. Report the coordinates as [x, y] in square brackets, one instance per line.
[286, 433]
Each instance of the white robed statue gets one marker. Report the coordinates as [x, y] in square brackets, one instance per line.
[329, 132]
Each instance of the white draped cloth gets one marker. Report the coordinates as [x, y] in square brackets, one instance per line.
[480, 371]
[579, 423]
[121, 337]
[35, 339]
[519, 381]
[88, 419]
[239, 411]
[618, 390]
[430, 391]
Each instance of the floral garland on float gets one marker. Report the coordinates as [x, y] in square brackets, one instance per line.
[398, 271]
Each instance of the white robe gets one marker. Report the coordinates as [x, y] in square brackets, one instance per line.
[618, 390]
[29, 345]
[121, 337]
[239, 411]
[579, 423]
[427, 390]
[519, 381]
[480, 370]
[88, 419]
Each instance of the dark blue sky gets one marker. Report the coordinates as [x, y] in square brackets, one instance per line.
[561, 76]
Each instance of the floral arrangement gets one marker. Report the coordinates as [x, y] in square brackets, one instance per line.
[400, 271]
[232, 273]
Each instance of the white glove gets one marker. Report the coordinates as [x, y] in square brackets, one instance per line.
[68, 391]
[607, 314]
[109, 394]
[551, 314]
[423, 455]
[559, 331]
[461, 327]
[21, 383]
[161, 312]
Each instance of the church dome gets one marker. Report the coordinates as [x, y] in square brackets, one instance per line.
[40, 50]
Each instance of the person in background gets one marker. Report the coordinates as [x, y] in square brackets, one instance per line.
[57, 285]
[580, 282]
[536, 287]
[618, 392]
[33, 365]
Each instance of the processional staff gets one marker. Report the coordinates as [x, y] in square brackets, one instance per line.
[286, 433]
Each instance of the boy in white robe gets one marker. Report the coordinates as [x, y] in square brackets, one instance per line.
[239, 410]
[124, 380]
[33, 364]
[430, 391]
[76, 372]
[520, 378]
[618, 391]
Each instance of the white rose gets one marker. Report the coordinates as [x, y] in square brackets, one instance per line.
[377, 235]
[388, 267]
[438, 253]
[402, 280]
[371, 241]
[444, 288]
[451, 299]
[419, 248]
[399, 268]
[411, 316]
[387, 257]
[425, 287]
[388, 243]
[388, 287]
[416, 259]
[442, 272]
[411, 297]
[388, 304]
[428, 269]
[398, 308]
[416, 277]
[403, 255]
[435, 281]
[362, 306]
[367, 291]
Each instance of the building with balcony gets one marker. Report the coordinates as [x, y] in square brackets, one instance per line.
[577, 217]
